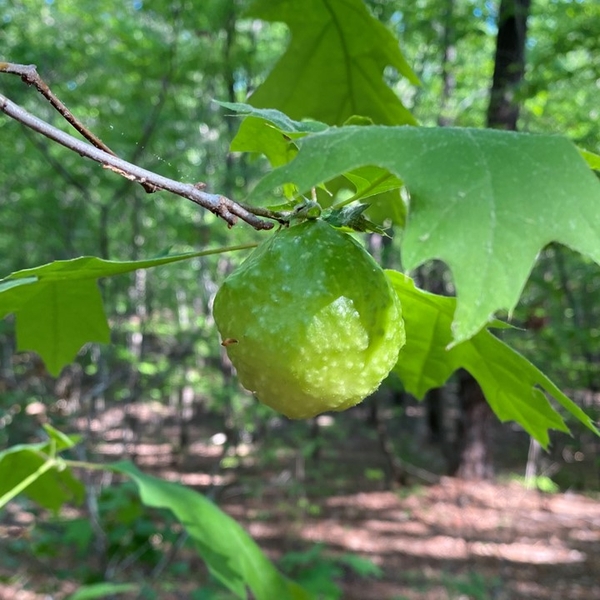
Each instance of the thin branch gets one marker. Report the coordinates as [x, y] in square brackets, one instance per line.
[220, 205]
[29, 74]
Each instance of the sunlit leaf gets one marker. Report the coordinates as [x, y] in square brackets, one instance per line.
[513, 387]
[333, 67]
[229, 552]
[485, 202]
[59, 307]
[592, 159]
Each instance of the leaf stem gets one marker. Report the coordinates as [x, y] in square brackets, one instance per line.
[218, 204]
[362, 193]
[25, 483]
[80, 464]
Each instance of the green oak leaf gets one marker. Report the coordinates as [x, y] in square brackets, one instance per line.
[483, 201]
[59, 319]
[230, 553]
[333, 66]
[49, 486]
[513, 387]
[58, 306]
[274, 134]
[269, 132]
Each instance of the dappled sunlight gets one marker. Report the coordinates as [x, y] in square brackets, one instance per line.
[196, 479]
[533, 553]
[204, 450]
[503, 530]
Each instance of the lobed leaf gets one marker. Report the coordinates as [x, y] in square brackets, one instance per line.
[512, 386]
[59, 308]
[483, 201]
[333, 66]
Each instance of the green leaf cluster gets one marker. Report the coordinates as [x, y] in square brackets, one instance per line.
[514, 388]
[59, 308]
[486, 203]
[333, 66]
[229, 552]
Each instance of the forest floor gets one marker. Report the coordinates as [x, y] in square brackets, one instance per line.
[448, 540]
[456, 540]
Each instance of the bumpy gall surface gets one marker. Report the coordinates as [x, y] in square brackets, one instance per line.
[310, 321]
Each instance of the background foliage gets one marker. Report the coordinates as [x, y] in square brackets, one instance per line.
[144, 77]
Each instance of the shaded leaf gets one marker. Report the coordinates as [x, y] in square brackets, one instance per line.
[51, 489]
[333, 66]
[59, 307]
[229, 552]
[512, 386]
[59, 319]
[483, 201]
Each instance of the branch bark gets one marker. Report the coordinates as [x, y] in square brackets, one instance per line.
[220, 205]
[509, 64]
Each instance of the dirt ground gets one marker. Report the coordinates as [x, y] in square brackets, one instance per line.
[524, 545]
[452, 540]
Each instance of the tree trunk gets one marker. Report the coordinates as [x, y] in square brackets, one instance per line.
[474, 443]
[445, 119]
[475, 460]
[509, 64]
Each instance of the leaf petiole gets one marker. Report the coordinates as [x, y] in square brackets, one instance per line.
[360, 194]
[25, 483]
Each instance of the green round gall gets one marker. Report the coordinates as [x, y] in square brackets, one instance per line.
[310, 321]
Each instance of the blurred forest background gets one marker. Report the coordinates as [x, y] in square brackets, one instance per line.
[144, 77]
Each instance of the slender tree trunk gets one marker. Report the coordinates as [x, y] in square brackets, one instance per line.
[475, 458]
[448, 57]
[230, 34]
[434, 406]
[509, 64]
